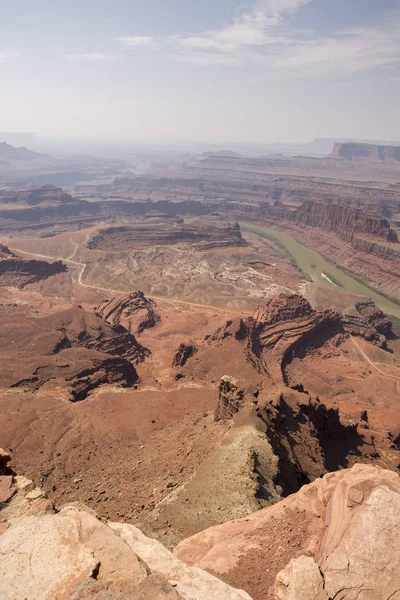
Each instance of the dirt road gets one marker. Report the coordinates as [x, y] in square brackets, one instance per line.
[113, 291]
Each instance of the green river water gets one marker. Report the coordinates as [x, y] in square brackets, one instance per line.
[320, 270]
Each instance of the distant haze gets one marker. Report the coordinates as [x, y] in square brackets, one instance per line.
[221, 71]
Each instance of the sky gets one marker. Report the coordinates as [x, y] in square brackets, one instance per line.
[217, 70]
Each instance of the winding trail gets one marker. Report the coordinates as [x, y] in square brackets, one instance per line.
[103, 289]
[373, 365]
[76, 247]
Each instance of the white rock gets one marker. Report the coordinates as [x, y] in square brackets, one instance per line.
[191, 583]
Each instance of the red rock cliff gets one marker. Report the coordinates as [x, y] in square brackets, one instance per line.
[345, 221]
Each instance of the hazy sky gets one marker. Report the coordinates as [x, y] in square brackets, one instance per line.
[218, 70]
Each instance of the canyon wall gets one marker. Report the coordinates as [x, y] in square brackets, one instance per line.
[346, 222]
[255, 187]
[361, 244]
[200, 233]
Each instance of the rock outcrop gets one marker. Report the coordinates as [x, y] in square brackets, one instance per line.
[237, 479]
[308, 439]
[286, 326]
[283, 327]
[74, 348]
[230, 399]
[385, 252]
[72, 554]
[368, 321]
[17, 272]
[183, 353]
[337, 537]
[133, 311]
[357, 151]
[11, 153]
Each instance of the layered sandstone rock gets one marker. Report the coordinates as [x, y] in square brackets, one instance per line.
[368, 321]
[391, 253]
[283, 327]
[71, 554]
[202, 234]
[73, 348]
[344, 221]
[283, 308]
[230, 398]
[17, 272]
[374, 317]
[68, 216]
[250, 187]
[133, 311]
[337, 537]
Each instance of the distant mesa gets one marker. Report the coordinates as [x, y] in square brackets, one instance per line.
[65, 178]
[356, 151]
[221, 154]
[123, 181]
[10, 153]
[46, 194]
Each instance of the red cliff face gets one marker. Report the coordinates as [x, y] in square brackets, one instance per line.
[385, 252]
[353, 150]
[346, 222]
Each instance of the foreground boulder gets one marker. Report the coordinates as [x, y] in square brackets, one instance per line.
[74, 555]
[338, 537]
